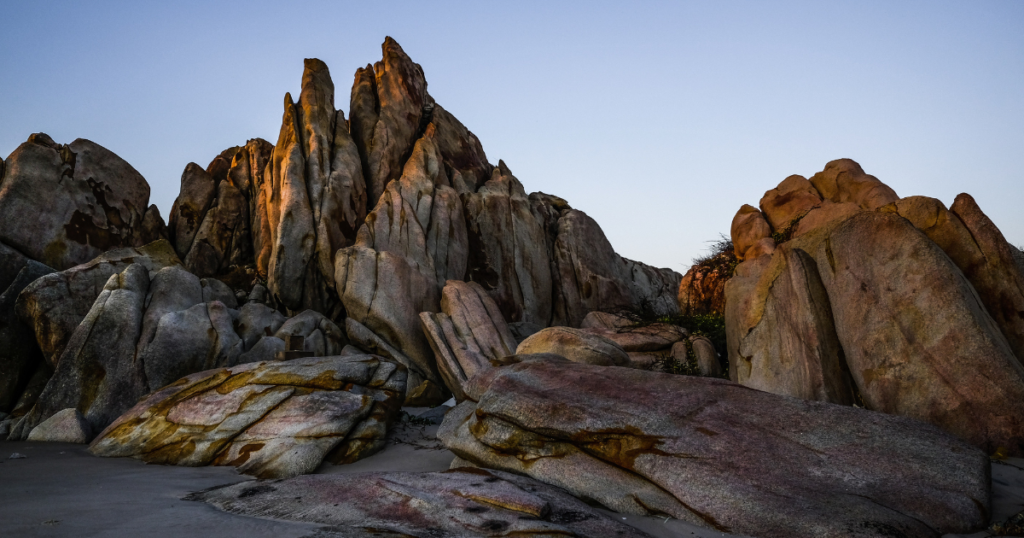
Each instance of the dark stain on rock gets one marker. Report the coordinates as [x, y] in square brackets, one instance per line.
[244, 453]
[256, 490]
[493, 525]
[565, 517]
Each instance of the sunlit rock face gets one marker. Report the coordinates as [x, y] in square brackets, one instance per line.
[459, 502]
[717, 454]
[900, 305]
[64, 204]
[269, 419]
[365, 219]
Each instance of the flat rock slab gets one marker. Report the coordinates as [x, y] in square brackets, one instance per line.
[718, 454]
[268, 419]
[465, 502]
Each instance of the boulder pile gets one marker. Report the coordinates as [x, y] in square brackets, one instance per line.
[303, 291]
[847, 293]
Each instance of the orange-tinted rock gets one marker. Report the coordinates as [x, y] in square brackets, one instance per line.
[790, 201]
[843, 180]
[996, 274]
[577, 345]
[751, 235]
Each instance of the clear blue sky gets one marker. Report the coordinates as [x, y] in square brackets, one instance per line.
[657, 119]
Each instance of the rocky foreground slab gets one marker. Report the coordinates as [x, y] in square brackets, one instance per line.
[718, 454]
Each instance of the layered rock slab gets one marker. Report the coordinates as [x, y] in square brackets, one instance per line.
[718, 454]
[268, 419]
[462, 502]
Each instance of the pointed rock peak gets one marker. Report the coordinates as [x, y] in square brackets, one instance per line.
[317, 77]
[503, 168]
[390, 45]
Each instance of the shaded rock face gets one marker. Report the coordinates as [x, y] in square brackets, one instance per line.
[718, 454]
[20, 357]
[54, 306]
[460, 502]
[268, 419]
[892, 302]
[63, 205]
[145, 331]
[467, 335]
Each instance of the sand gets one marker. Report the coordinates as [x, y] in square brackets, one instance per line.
[60, 490]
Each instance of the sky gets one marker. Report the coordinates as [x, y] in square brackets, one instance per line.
[658, 119]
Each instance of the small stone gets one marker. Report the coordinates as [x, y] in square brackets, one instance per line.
[17, 456]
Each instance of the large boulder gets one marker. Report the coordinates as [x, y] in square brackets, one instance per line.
[67, 426]
[63, 205]
[588, 275]
[54, 306]
[889, 305]
[467, 335]
[789, 202]
[576, 345]
[751, 234]
[719, 455]
[456, 503]
[268, 419]
[96, 373]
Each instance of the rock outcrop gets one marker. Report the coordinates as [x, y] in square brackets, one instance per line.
[575, 345]
[719, 455]
[147, 329]
[365, 220]
[268, 419]
[65, 204]
[460, 502]
[467, 335]
[899, 304]
[20, 358]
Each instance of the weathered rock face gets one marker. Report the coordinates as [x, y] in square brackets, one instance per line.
[268, 419]
[844, 181]
[467, 334]
[463, 502]
[67, 426]
[576, 345]
[96, 373]
[63, 205]
[20, 358]
[789, 345]
[54, 306]
[751, 234]
[180, 324]
[890, 303]
[702, 289]
[789, 202]
[720, 455]
[590, 276]
[508, 246]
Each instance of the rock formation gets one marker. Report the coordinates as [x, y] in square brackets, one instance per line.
[268, 419]
[365, 221]
[65, 204]
[460, 502]
[146, 329]
[900, 304]
[717, 454]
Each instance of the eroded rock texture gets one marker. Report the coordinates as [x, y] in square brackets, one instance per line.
[717, 454]
[899, 304]
[65, 204]
[147, 329]
[268, 419]
[463, 502]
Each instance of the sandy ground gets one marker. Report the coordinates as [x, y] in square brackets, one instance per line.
[60, 490]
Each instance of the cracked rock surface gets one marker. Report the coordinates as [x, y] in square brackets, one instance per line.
[717, 454]
[268, 419]
[464, 502]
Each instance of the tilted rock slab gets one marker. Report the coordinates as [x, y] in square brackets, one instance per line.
[577, 345]
[268, 419]
[467, 335]
[717, 454]
[63, 205]
[457, 503]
